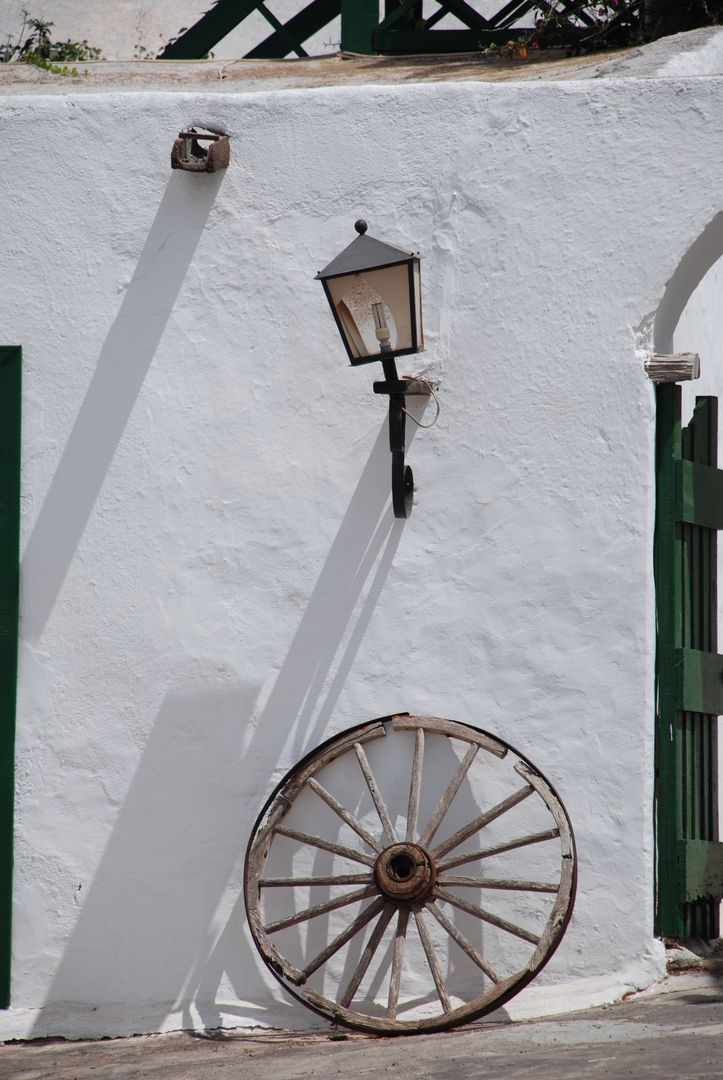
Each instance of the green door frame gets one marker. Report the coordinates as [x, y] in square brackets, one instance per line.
[10, 410]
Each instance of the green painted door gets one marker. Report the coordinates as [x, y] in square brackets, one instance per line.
[689, 671]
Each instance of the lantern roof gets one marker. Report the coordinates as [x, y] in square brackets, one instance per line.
[364, 253]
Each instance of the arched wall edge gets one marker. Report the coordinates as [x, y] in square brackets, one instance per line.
[692, 268]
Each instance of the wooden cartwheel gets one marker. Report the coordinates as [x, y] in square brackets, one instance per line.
[410, 875]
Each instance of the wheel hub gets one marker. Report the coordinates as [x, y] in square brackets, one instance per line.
[405, 872]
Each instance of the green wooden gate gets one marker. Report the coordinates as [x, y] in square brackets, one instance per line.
[689, 670]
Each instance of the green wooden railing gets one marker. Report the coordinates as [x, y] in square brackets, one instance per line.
[404, 28]
[10, 373]
[689, 670]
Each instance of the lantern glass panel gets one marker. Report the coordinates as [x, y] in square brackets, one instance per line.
[354, 297]
[417, 280]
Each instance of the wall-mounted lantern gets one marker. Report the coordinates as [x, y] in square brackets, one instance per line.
[375, 294]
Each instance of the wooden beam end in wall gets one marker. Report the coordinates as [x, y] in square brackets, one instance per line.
[672, 367]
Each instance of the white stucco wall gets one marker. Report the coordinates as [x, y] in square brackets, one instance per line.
[212, 578]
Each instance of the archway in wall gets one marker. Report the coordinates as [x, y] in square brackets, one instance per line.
[689, 668]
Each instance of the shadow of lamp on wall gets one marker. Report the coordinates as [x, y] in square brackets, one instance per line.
[374, 290]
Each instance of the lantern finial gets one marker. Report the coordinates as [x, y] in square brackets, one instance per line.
[361, 226]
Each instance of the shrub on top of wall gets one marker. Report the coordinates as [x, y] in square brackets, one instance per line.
[39, 48]
[618, 23]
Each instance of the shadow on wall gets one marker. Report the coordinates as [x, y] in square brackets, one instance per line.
[692, 268]
[122, 365]
[294, 720]
[146, 932]
[149, 913]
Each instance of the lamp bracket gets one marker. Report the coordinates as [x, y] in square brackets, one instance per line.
[399, 389]
[408, 387]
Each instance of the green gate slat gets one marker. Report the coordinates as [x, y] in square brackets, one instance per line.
[211, 28]
[689, 670]
[10, 405]
[313, 18]
[702, 869]
[701, 733]
[699, 681]
[699, 494]
[668, 729]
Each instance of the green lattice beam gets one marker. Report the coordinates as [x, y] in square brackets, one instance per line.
[401, 30]
[300, 28]
[198, 40]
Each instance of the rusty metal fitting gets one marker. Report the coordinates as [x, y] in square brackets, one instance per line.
[405, 872]
[189, 153]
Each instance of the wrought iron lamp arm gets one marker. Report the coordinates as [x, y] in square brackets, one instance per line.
[402, 477]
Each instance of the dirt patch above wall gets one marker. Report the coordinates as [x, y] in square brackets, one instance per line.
[699, 53]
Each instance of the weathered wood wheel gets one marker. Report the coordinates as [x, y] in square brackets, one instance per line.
[355, 892]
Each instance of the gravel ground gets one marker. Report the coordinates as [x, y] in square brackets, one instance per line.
[678, 1034]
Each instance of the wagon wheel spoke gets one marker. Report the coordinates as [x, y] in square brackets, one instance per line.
[320, 909]
[493, 883]
[366, 957]
[498, 849]
[344, 814]
[324, 845]
[375, 793]
[487, 916]
[456, 934]
[397, 961]
[446, 801]
[329, 879]
[415, 784]
[429, 952]
[483, 820]
[341, 939]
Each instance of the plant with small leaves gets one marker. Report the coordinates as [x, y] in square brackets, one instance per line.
[40, 49]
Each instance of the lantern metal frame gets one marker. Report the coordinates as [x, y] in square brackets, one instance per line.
[348, 263]
[378, 255]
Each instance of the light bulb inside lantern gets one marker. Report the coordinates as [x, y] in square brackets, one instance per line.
[380, 323]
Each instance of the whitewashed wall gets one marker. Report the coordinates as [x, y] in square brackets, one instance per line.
[212, 578]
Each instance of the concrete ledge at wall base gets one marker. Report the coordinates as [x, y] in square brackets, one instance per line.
[84, 1021]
